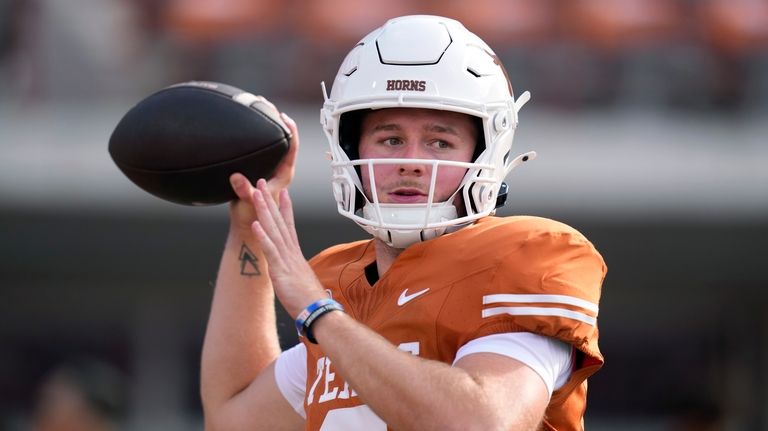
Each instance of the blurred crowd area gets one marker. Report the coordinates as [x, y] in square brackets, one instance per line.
[680, 54]
[128, 290]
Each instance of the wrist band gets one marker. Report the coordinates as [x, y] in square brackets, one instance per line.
[310, 314]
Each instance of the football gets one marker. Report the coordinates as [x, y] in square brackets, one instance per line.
[183, 142]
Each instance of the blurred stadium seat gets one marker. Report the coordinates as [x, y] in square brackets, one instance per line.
[620, 24]
[201, 21]
[631, 49]
[739, 27]
[231, 41]
[670, 196]
[327, 30]
[345, 22]
[503, 23]
[520, 32]
[736, 33]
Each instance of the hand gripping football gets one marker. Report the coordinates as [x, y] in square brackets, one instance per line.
[182, 143]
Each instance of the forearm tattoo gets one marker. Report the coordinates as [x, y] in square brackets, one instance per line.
[249, 264]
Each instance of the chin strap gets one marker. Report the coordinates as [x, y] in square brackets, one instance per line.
[389, 216]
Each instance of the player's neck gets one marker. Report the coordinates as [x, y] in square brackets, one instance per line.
[385, 256]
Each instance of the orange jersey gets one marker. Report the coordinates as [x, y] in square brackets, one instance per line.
[512, 274]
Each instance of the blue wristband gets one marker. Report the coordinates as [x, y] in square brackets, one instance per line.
[309, 315]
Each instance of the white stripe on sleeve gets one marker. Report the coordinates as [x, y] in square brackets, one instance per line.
[555, 299]
[540, 311]
[520, 305]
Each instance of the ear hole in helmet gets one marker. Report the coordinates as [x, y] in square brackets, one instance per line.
[359, 200]
[350, 128]
[470, 190]
[350, 125]
[479, 148]
[480, 144]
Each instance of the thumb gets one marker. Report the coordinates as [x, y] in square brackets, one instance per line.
[241, 186]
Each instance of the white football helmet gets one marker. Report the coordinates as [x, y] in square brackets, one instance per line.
[422, 62]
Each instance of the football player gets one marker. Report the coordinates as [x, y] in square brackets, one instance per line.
[449, 317]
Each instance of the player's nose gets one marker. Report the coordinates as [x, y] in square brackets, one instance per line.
[413, 151]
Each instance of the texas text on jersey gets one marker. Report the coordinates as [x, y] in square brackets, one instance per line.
[537, 276]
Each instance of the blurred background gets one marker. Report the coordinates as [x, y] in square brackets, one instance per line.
[649, 117]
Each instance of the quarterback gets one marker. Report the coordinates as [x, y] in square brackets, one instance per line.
[448, 317]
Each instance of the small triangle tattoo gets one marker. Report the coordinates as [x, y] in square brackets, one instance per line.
[249, 264]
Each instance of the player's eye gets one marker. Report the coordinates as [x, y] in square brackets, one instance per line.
[441, 145]
[392, 142]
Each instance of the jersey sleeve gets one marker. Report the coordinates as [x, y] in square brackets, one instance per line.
[551, 286]
[546, 280]
[291, 376]
[550, 358]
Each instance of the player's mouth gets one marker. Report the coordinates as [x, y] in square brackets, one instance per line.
[407, 195]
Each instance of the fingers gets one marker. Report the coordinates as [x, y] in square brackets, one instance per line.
[272, 207]
[267, 220]
[286, 209]
[241, 186]
[267, 246]
[285, 170]
[273, 220]
[294, 148]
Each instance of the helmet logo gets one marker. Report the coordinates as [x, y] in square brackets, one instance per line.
[406, 85]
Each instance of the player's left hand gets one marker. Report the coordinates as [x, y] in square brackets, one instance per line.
[293, 280]
[241, 211]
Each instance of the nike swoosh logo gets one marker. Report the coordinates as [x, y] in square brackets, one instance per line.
[404, 297]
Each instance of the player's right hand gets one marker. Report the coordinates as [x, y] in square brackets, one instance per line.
[241, 211]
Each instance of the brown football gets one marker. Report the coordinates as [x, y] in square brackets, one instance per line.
[183, 142]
